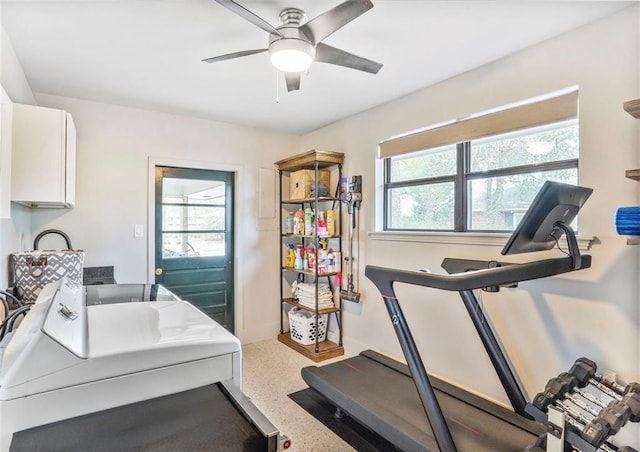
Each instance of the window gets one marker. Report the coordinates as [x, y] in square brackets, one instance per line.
[481, 184]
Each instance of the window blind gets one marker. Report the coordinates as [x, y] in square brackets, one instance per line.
[523, 116]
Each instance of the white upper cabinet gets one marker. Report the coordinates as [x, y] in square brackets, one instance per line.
[43, 165]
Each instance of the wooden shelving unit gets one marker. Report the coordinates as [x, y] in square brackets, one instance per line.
[633, 108]
[633, 174]
[325, 350]
[312, 160]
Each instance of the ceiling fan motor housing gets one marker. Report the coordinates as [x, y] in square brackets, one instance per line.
[292, 41]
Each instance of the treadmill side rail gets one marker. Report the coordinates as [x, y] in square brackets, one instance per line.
[274, 439]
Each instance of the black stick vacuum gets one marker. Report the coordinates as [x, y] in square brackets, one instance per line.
[352, 198]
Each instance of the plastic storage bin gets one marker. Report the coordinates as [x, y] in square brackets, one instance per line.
[303, 328]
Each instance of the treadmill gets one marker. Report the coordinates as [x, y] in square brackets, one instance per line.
[416, 411]
[126, 367]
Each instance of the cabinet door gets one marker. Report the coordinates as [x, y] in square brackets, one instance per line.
[70, 156]
[39, 157]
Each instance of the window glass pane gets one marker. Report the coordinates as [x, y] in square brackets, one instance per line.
[192, 245]
[542, 144]
[498, 203]
[193, 218]
[432, 163]
[193, 191]
[421, 207]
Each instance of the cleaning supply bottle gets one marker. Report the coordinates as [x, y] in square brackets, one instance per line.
[322, 225]
[308, 221]
[322, 259]
[298, 222]
[291, 256]
[288, 228]
[331, 262]
[299, 254]
[331, 223]
[311, 257]
[305, 258]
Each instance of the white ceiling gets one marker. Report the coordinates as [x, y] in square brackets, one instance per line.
[147, 53]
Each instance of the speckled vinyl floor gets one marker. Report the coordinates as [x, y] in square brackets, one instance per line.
[271, 371]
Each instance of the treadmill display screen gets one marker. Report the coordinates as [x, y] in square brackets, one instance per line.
[537, 231]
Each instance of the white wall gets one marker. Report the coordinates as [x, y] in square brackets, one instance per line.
[15, 228]
[114, 145]
[545, 324]
[12, 76]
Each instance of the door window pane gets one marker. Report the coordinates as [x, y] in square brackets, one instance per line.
[193, 218]
[498, 203]
[193, 191]
[421, 207]
[176, 245]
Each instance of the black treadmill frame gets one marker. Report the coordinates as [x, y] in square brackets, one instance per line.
[465, 277]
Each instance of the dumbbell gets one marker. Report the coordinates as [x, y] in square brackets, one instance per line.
[585, 371]
[563, 386]
[555, 389]
[607, 423]
[632, 400]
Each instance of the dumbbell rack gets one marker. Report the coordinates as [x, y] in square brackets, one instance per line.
[572, 409]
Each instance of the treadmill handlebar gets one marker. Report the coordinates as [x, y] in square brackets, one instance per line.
[454, 265]
[506, 274]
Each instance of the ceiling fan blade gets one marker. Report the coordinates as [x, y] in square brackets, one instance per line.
[248, 15]
[293, 81]
[331, 55]
[330, 21]
[229, 56]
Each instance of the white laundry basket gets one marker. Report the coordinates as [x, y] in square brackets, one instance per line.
[303, 328]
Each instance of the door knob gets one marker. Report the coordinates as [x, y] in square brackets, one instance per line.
[158, 271]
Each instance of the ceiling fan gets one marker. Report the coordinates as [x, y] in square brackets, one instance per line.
[297, 43]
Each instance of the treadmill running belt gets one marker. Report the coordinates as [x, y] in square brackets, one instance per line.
[201, 419]
[379, 393]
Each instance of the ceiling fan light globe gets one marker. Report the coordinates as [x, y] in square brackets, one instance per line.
[291, 55]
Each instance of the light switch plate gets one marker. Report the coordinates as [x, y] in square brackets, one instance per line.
[138, 230]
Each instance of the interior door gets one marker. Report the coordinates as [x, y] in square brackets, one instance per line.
[194, 238]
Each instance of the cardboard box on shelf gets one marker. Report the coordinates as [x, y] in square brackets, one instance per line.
[302, 181]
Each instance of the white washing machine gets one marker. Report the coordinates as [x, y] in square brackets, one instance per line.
[106, 367]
